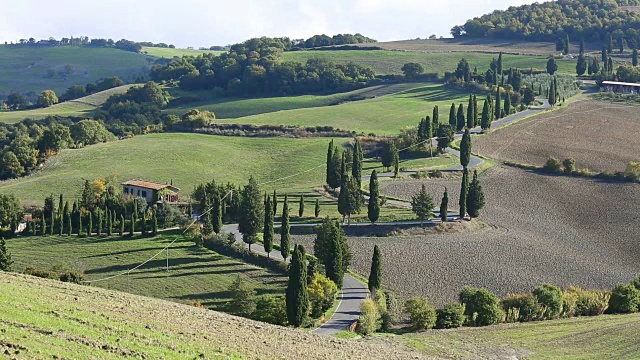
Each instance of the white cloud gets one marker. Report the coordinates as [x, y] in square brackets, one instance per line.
[220, 22]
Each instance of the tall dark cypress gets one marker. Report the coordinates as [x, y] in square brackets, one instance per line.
[484, 122]
[154, 228]
[453, 120]
[444, 206]
[317, 208]
[500, 68]
[460, 118]
[498, 107]
[79, 223]
[634, 57]
[301, 206]
[470, 121]
[475, 199]
[435, 118]
[275, 203]
[121, 233]
[69, 225]
[464, 191]
[297, 298]
[267, 232]
[358, 156]
[216, 216]
[330, 164]
[90, 227]
[465, 148]
[507, 103]
[373, 209]
[475, 111]
[109, 223]
[375, 275]
[285, 237]
[99, 218]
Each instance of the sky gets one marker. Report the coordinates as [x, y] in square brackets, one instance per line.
[220, 22]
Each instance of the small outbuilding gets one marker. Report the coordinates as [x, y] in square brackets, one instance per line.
[152, 191]
[621, 87]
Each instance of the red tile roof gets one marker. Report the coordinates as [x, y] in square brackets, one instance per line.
[149, 185]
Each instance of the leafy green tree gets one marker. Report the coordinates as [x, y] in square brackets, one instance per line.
[465, 148]
[422, 205]
[375, 275]
[581, 65]
[285, 237]
[301, 206]
[464, 191]
[446, 134]
[373, 209]
[482, 308]
[251, 213]
[421, 314]
[552, 66]
[5, 256]
[10, 166]
[243, 294]
[11, 212]
[16, 101]
[412, 70]
[267, 232]
[444, 206]
[453, 119]
[460, 118]
[475, 198]
[349, 199]
[47, 98]
[389, 155]
[529, 96]
[317, 208]
[297, 297]
[332, 250]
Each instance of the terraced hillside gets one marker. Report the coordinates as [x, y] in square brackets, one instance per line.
[49, 319]
[25, 69]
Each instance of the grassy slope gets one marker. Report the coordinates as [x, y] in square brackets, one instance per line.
[79, 107]
[383, 115]
[601, 337]
[45, 319]
[169, 53]
[226, 108]
[391, 62]
[24, 69]
[195, 273]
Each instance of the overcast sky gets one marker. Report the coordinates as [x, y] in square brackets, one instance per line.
[216, 22]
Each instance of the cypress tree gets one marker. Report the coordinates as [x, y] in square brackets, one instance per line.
[552, 94]
[190, 211]
[634, 57]
[297, 298]
[507, 103]
[475, 111]
[373, 209]
[581, 65]
[620, 41]
[475, 199]
[251, 213]
[484, 122]
[435, 118]
[79, 223]
[343, 198]
[566, 44]
[5, 256]
[332, 250]
[453, 120]
[498, 107]
[285, 237]
[69, 225]
[396, 161]
[301, 206]
[60, 210]
[465, 148]
[275, 203]
[99, 218]
[121, 226]
[358, 156]
[460, 118]
[109, 223]
[154, 229]
[132, 225]
[336, 167]
[43, 226]
[330, 164]
[444, 204]
[604, 54]
[317, 209]
[464, 191]
[90, 226]
[500, 68]
[217, 215]
[470, 121]
[61, 224]
[375, 275]
[52, 224]
[143, 225]
[267, 232]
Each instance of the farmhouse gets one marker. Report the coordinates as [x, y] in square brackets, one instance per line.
[621, 87]
[151, 191]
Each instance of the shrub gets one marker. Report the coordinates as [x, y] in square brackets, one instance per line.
[636, 282]
[632, 172]
[271, 309]
[41, 273]
[569, 304]
[590, 302]
[550, 299]
[322, 292]
[625, 298]
[482, 307]
[451, 316]
[422, 315]
[71, 276]
[243, 300]
[394, 310]
[569, 166]
[369, 320]
[526, 304]
[552, 166]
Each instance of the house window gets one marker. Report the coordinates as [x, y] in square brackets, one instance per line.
[138, 193]
[144, 194]
[126, 190]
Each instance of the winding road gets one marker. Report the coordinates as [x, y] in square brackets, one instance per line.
[354, 292]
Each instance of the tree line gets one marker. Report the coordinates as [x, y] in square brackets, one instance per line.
[122, 44]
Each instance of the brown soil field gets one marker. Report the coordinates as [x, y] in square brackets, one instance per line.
[46, 319]
[560, 230]
[599, 135]
[473, 45]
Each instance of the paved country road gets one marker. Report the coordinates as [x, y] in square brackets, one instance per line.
[353, 291]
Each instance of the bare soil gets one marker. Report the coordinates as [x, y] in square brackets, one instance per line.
[560, 230]
[599, 135]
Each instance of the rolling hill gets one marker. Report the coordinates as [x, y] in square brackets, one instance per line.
[25, 69]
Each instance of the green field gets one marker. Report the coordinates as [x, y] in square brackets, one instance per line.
[24, 69]
[194, 273]
[169, 53]
[391, 62]
[229, 108]
[81, 107]
[384, 115]
[599, 337]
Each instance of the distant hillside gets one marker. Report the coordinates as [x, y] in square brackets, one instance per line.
[50, 319]
[30, 70]
[590, 19]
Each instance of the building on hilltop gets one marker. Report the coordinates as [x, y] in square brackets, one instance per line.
[151, 191]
